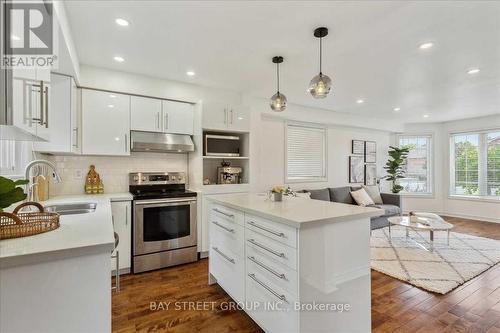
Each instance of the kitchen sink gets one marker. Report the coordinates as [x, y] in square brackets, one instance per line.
[71, 209]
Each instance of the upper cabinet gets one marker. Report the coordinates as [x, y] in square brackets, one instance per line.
[145, 114]
[225, 117]
[64, 129]
[106, 123]
[155, 115]
[177, 117]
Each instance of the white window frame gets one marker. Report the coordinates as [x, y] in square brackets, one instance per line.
[430, 156]
[482, 170]
[325, 154]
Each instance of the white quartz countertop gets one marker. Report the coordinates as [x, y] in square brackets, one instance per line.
[295, 211]
[77, 234]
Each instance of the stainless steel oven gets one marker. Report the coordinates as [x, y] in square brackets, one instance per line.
[164, 228]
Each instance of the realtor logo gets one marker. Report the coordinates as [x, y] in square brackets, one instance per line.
[29, 31]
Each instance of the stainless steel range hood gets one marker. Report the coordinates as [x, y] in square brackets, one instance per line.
[161, 142]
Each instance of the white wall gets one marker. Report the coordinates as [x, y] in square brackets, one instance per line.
[100, 78]
[441, 202]
[268, 145]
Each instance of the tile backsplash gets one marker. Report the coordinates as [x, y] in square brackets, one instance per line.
[113, 170]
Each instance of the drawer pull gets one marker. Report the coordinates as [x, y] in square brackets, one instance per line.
[278, 254]
[270, 270]
[231, 260]
[223, 227]
[279, 234]
[223, 213]
[281, 297]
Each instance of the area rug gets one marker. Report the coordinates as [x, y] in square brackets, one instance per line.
[440, 270]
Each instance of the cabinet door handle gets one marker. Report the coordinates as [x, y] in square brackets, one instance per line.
[281, 297]
[46, 107]
[158, 120]
[75, 131]
[223, 227]
[267, 268]
[231, 260]
[232, 116]
[166, 121]
[225, 116]
[223, 213]
[276, 253]
[279, 234]
[42, 105]
[126, 146]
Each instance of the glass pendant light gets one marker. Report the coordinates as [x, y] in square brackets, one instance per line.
[278, 101]
[321, 84]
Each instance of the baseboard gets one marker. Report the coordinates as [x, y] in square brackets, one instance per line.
[466, 216]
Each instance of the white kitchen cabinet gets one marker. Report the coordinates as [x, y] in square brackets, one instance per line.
[31, 105]
[64, 118]
[178, 117]
[121, 211]
[145, 114]
[105, 123]
[225, 117]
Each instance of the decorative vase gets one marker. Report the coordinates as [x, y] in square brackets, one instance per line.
[278, 196]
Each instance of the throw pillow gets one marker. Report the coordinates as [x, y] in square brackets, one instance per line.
[374, 193]
[362, 198]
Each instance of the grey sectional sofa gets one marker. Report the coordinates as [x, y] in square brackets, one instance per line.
[391, 202]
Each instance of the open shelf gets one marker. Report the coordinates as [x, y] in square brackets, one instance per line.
[226, 157]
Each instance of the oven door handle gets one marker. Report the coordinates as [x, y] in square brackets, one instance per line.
[167, 201]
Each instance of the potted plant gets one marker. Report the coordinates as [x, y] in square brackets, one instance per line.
[10, 193]
[394, 166]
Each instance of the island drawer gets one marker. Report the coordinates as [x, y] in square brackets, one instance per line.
[228, 234]
[229, 270]
[268, 247]
[274, 230]
[272, 308]
[228, 214]
[282, 276]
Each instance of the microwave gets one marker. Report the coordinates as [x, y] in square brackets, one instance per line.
[222, 145]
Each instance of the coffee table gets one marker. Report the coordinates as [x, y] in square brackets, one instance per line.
[421, 223]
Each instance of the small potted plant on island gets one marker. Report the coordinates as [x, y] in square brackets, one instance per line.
[10, 192]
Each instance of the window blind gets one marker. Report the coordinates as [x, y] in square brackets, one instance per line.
[306, 153]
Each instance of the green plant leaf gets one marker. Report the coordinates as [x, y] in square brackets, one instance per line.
[16, 195]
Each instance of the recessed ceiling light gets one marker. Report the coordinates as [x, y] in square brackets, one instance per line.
[397, 109]
[426, 116]
[122, 22]
[111, 106]
[473, 71]
[112, 96]
[14, 37]
[119, 59]
[190, 73]
[360, 101]
[426, 46]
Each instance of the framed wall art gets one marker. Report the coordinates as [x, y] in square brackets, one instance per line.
[357, 147]
[356, 169]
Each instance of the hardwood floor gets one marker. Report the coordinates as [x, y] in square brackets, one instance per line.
[396, 306]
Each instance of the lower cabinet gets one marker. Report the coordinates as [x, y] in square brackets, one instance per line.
[121, 211]
[255, 261]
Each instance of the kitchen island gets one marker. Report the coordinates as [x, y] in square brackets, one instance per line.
[300, 265]
[59, 281]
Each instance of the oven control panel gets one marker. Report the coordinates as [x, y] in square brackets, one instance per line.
[157, 178]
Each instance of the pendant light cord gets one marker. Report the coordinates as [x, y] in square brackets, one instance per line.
[278, 76]
[320, 54]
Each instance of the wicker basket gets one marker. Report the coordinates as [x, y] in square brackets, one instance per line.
[14, 225]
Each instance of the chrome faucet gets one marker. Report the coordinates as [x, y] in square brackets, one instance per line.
[27, 170]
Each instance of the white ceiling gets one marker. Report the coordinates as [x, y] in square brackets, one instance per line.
[370, 53]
